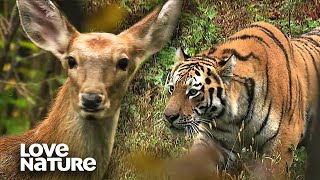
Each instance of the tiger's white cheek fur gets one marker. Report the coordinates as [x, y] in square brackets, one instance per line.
[175, 78]
[233, 105]
[236, 102]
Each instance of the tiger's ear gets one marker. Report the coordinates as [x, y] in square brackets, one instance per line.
[227, 68]
[181, 55]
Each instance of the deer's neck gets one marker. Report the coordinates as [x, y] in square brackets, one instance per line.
[85, 138]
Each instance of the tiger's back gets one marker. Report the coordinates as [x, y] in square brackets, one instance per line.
[282, 75]
[269, 100]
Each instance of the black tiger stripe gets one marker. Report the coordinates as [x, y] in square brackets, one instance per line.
[197, 112]
[211, 92]
[219, 92]
[217, 79]
[219, 95]
[246, 37]
[304, 49]
[239, 56]
[202, 89]
[203, 107]
[300, 97]
[298, 89]
[313, 33]
[206, 58]
[197, 85]
[187, 68]
[305, 65]
[182, 68]
[283, 49]
[202, 69]
[221, 113]
[313, 61]
[206, 63]
[249, 85]
[250, 88]
[308, 43]
[288, 41]
[309, 39]
[266, 83]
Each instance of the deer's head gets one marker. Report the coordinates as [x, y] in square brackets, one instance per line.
[100, 65]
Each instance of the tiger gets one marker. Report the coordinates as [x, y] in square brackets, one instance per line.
[256, 90]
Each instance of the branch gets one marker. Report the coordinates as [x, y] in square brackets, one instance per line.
[14, 25]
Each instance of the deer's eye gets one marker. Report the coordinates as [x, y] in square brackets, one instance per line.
[72, 63]
[122, 64]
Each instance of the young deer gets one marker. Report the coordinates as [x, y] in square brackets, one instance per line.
[100, 66]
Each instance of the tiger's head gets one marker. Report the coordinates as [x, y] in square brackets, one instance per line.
[197, 88]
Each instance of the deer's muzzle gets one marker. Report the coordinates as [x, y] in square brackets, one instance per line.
[91, 101]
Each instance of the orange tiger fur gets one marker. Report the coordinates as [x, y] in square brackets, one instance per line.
[257, 90]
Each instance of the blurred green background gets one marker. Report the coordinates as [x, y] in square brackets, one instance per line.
[31, 77]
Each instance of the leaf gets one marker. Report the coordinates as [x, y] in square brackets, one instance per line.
[21, 103]
[15, 126]
[29, 45]
[107, 19]
[6, 67]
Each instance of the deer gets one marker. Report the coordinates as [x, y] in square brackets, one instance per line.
[99, 67]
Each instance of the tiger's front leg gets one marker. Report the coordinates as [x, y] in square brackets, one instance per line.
[287, 140]
[281, 155]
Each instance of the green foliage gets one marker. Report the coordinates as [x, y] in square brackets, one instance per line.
[25, 71]
[299, 162]
[29, 45]
[15, 126]
[134, 6]
[159, 70]
[201, 30]
[1, 44]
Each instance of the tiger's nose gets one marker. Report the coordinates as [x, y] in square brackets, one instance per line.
[171, 117]
[91, 101]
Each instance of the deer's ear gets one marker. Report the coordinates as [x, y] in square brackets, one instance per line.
[152, 32]
[45, 25]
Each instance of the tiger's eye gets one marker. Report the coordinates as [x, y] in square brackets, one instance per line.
[193, 92]
[171, 88]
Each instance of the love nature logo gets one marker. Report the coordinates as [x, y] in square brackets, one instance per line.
[41, 157]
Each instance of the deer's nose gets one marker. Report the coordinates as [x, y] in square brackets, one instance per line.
[91, 101]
